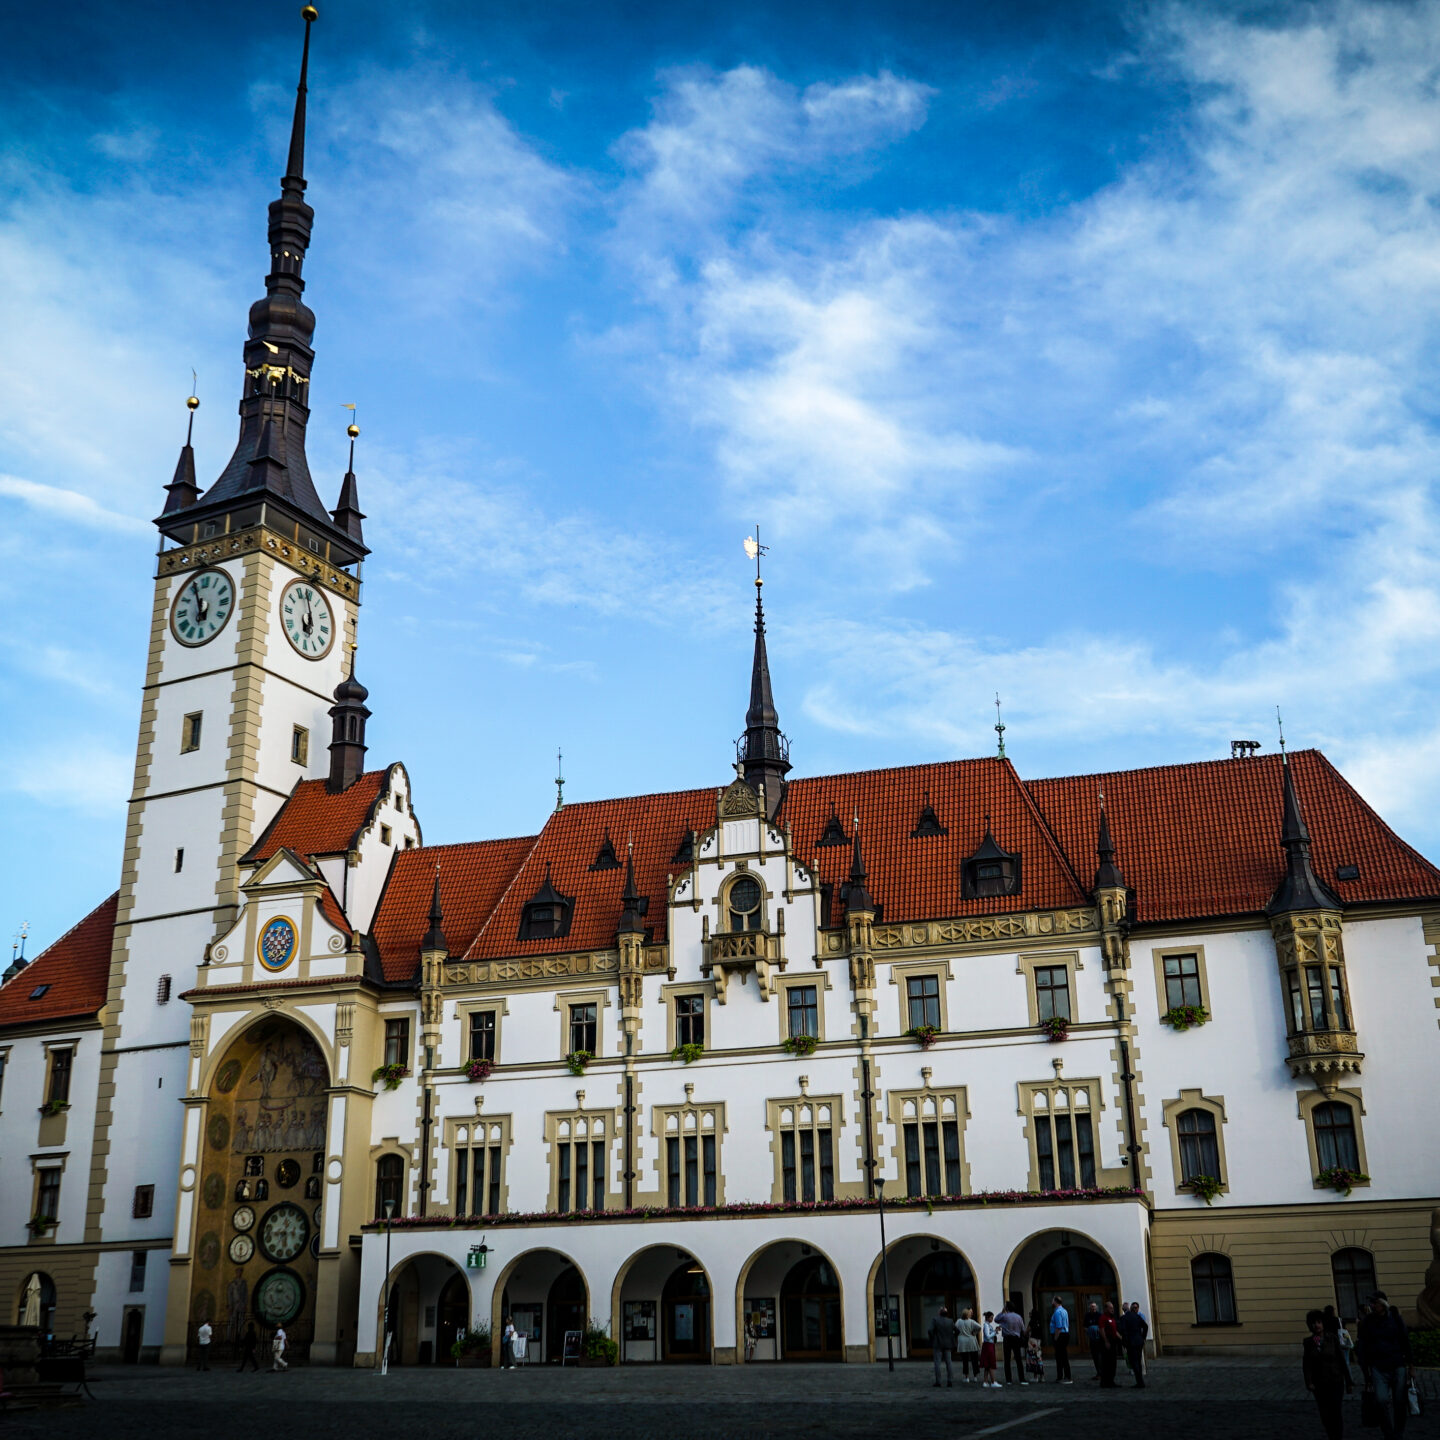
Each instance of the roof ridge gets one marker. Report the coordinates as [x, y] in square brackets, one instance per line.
[1272, 757]
[509, 885]
[463, 844]
[60, 939]
[1051, 838]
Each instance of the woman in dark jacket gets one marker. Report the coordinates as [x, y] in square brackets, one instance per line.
[1326, 1376]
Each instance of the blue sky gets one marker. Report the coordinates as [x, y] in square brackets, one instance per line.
[1083, 353]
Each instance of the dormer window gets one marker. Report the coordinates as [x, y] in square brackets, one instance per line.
[990, 871]
[834, 832]
[605, 857]
[743, 904]
[546, 915]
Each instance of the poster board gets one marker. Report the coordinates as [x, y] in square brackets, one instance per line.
[571, 1350]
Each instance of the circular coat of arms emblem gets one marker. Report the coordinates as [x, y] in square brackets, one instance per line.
[277, 943]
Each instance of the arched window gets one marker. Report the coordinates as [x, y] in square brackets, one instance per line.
[1199, 1152]
[389, 1180]
[1354, 1272]
[1214, 1290]
[743, 904]
[1335, 1146]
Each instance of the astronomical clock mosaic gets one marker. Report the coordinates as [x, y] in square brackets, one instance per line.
[259, 1232]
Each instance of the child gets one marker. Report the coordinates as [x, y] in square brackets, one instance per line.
[989, 1339]
[1034, 1361]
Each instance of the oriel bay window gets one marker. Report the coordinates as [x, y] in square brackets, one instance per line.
[807, 1147]
[578, 1151]
[1063, 1137]
[479, 1157]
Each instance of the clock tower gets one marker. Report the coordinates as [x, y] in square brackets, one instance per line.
[257, 593]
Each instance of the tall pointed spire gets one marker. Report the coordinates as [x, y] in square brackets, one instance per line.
[857, 895]
[435, 935]
[347, 514]
[631, 913]
[269, 462]
[1300, 888]
[763, 750]
[182, 492]
[347, 734]
[1107, 873]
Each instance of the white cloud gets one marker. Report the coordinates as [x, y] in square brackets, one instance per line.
[86, 775]
[69, 505]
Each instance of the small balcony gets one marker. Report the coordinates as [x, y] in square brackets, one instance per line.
[1325, 1056]
[742, 953]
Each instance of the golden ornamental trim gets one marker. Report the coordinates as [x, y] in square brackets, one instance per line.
[1028, 925]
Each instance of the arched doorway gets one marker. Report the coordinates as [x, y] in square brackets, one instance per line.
[664, 1306]
[543, 1294]
[941, 1279]
[452, 1315]
[685, 1314]
[257, 1229]
[565, 1310]
[132, 1335]
[1070, 1267]
[810, 1327]
[429, 1303]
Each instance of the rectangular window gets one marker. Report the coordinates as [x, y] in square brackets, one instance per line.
[932, 1158]
[672, 1168]
[707, 1154]
[585, 1164]
[582, 1175]
[692, 1169]
[482, 1035]
[4, 1060]
[137, 1271]
[914, 1183]
[385, 835]
[807, 1163]
[142, 1207]
[190, 731]
[477, 1180]
[787, 1164]
[1065, 1151]
[300, 745]
[1045, 1152]
[802, 1010]
[1052, 992]
[689, 1019]
[1297, 1002]
[62, 1061]
[1337, 1000]
[923, 994]
[162, 990]
[563, 1185]
[397, 1041]
[1315, 989]
[179, 858]
[47, 1196]
[582, 1027]
[1182, 980]
[827, 1165]
[952, 1157]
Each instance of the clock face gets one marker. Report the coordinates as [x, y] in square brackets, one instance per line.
[284, 1231]
[202, 606]
[242, 1247]
[305, 614]
[243, 1218]
[279, 1297]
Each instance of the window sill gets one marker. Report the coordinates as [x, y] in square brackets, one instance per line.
[1218, 1325]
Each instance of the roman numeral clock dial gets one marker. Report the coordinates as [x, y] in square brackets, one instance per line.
[309, 625]
[202, 607]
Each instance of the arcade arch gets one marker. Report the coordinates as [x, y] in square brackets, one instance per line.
[544, 1293]
[663, 1308]
[790, 1297]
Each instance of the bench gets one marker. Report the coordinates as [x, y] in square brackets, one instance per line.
[61, 1376]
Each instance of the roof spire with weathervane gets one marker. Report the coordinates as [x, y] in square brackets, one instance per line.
[182, 492]
[763, 752]
[1300, 888]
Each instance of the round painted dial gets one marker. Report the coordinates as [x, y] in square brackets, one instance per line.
[279, 1297]
[202, 606]
[284, 1231]
[305, 614]
[243, 1218]
[242, 1247]
[287, 1174]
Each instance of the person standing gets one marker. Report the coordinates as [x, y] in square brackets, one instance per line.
[202, 1340]
[1092, 1337]
[989, 1337]
[507, 1344]
[1346, 1342]
[1012, 1334]
[1109, 1346]
[1060, 1339]
[1383, 1349]
[1133, 1328]
[278, 1346]
[248, 1341]
[967, 1346]
[1325, 1375]
[942, 1345]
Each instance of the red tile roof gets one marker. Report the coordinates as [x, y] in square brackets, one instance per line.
[473, 877]
[76, 968]
[1204, 839]
[315, 822]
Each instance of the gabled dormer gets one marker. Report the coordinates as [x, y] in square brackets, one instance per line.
[547, 913]
[990, 871]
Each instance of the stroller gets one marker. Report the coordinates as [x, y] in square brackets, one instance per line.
[1035, 1361]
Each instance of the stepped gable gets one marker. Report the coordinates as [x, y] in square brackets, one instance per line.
[568, 844]
[918, 878]
[1203, 839]
[76, 968]
[473, 877]
[313, 821]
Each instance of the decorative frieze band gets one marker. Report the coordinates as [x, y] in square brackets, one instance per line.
[1030, 925]
[530, 969]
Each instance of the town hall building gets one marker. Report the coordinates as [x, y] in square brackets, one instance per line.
[1167, 1035]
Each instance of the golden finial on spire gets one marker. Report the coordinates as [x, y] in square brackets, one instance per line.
[309, 14]
[352, 429]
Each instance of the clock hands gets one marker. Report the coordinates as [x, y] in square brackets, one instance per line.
[201, 608]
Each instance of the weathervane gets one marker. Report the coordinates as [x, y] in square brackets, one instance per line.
[1280, 725]
[754, 549]
[999, 727]
[559, 780]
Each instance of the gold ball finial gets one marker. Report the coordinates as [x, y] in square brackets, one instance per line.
[309, 14]
[192, 402]
[352, 431]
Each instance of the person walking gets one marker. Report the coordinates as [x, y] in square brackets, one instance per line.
[967, 1346]
[942, 1345]
[989, 1338]
[1012, 1335]
[248, 1341]
[1383, 1349]
[203, 1337]
[1133, 1328]
[1109, 1346]
[278, 1346]
[1325, 1375]
[507, 1344]
[1092, 1337]
[1060, 1339]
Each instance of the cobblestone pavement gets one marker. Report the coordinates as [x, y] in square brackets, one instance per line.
[1246, 1399]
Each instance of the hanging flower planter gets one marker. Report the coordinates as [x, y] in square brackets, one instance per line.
[688, 1053]
[924, 1035]
[577, 1060]
[1185, 1017]
[1341, 1180]
[1203, 1187]
[392, 1075]
[1057, 1027]
[478, 1070]
[801, 1045]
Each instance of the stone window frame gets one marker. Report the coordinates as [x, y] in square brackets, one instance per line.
[1027, 962]
[1307, 1101]
[4, 1072]
[50, 1047]
[775, 1124]
[454, 1124]
[721, 901]
[191, 735]
[1159, 954]
[1170, 1111]
[820, 979]
[299, 745]
[500, 1004]
[670, 993]
[896, 1101]
[1218, 1251]
[389, 1146]
[1095, 1108]
[555, 1121]
[41, 1163]
[904, 970]
[699, 1110]
[599, 996]
[385, 1017]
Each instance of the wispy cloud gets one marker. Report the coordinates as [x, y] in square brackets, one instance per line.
[69, 504]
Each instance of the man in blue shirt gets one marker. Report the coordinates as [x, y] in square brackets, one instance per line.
[1060, 1339]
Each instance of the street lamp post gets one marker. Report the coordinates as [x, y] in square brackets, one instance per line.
[385, 1353]
[885, 1275]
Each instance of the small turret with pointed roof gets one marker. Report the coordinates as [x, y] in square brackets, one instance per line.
[763, 750]
[1300, 888]
[632, 921]
[347, 514]
[347, 732]
[435, 935]
[182, 492]
[1107, 873]
[857, 894]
